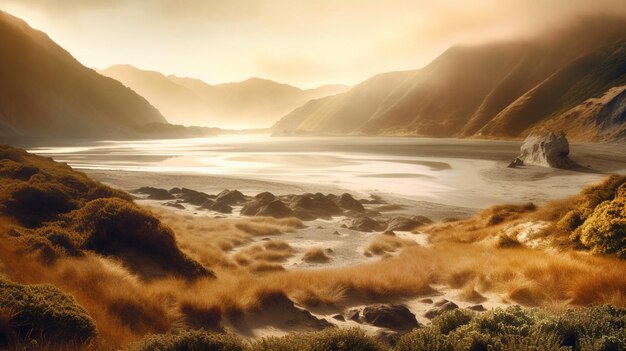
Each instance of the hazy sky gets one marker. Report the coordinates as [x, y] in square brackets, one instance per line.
[300, 42]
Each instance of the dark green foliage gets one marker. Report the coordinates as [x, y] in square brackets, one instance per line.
[451, 320]
[326, 340]
[191, 340]
[43, 312]
[115, 226]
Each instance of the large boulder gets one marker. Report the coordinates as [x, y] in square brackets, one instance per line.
[252, 208]
[441, 307]
[547, 150]
[313, 206]
[193, 197]
[365, 224]
[396, 317]
[348, 203]
[407, 224]
[230, 197]
[276, 209]
[154, 193]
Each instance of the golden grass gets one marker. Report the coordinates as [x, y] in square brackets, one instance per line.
[315, 255]
[383, 244]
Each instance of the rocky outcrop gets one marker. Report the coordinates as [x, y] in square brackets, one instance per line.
[365, 224]
[312, 206]
[547, 150]
[407, 224]
[154, 193]
[396, 317]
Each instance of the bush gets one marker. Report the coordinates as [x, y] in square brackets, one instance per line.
[604, 232]
[31, 203]
[450, 321]
[112, 226]
[327, 340]
[190, 340]
[426, 339]
[43, 312]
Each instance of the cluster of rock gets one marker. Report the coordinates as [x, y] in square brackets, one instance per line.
[306, 207]
[549, 150]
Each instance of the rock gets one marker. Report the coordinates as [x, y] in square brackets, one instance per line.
[354, 315]
[440, 307]
[426, 300]
[253, 207]
[389, 233]
[230, 197]
[477, 308]
[174, 204]
[365, 224]
[154, 193]
[313, 206]
[339, 317]
[396, 317]
[516, 162]
[547, 150]
[405, 224]
[343, 225]
[193, 197]
[276, 209]
[207, 204]
[220, 207]
[175, 191]
[348, 203]
[376, 200]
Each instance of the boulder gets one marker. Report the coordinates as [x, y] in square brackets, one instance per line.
[220, 207]
[348, 203]
[547, 150]
[313, 206]
[252, 208]
[230, 197]
[276, 209]
[175, 191]
[440, 307]
[477, 308]
[406, 224]
[155, 193]
[396, 317]
[193, 197]
[365, 224]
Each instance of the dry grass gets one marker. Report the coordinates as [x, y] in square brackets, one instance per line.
[315, 255]
[383, 244]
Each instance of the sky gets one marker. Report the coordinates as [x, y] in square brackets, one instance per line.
[305, 43]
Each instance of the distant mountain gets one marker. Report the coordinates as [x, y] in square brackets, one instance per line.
[45, 92]
[254, 103]
[501, 90]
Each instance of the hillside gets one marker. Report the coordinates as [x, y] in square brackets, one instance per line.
[253, 103]
[45, 92]
[501, 90]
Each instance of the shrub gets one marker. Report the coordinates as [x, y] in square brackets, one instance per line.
[424, 339]
[44, 312]
[604, 232]
[450, 321]
[327, 340]
[111, 226]
[190, 340]
[31, 203]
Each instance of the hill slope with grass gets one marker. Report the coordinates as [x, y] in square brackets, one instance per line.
[45, 92]
[253, 103]
[499, 90]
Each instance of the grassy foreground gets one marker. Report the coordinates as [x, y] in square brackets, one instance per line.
[84, 267]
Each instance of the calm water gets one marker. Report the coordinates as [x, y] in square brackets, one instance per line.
[460, 172]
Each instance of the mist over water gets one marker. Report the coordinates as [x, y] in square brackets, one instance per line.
[449, 171]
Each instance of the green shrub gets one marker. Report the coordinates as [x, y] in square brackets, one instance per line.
[424, 339]
[112, 226]
[43, 312]
[604, 232]
[334, 339]
[190, 340]
[451, 320]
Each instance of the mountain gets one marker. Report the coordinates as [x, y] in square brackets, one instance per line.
[500, 90]
[44, 91]
[254, 103]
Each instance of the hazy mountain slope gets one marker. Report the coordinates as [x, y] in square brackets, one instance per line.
[253, 103]
[44, 91]
[494, 90]
[596, 119]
